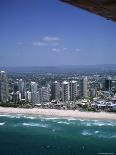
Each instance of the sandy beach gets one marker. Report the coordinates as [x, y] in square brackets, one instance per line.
[59, 113]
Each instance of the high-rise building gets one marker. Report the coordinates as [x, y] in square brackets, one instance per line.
[92, 92]
[21, 85]
[15, 87]
[35, 98]
[55, 91]
[85, 89]
[34, 94]
[80, 87]
[28, 96]
[73, 90]
[65, 91]
[3, 87]
[34, 87]
[44, 94]
[17, 97]
[108, 84]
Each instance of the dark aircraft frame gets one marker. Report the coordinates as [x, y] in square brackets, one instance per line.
[105, 8]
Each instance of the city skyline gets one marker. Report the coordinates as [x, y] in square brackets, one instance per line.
[67, 88]
[42, 33]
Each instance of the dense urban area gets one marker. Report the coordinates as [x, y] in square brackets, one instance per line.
[90, 92]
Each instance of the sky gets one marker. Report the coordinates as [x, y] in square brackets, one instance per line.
[53, 33]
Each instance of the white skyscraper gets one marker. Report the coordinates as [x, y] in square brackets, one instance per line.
[65, 91]
[3, 87]
[21, 87]
[34, 93]
[28, 96]
[73, 90]
[33, 87]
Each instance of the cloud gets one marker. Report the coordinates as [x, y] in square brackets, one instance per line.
[68, 50]
[77, 50]
[39, 43]
[20, 43]
[64, 49]
[59, 49]
[47, 41]
[55, 50]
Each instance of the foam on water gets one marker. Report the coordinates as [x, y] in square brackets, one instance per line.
[53, 130]
[86, 133]
[30, 117]
[63, 122]
[90, 132]
[2, 123]
[104, 123]
[97, 123]
[50, 118]
[10, 116]
[107, 136]
[71, 119]
[99, 134]
[96, 132]
[82, 120]
[35, 125]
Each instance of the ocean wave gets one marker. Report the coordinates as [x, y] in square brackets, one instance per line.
[53, 130]
[107, 136]
[96, 132]
[90, 132]
[30, 117]
[10, 116]
[104, 123]
[99, 134]
[35, 125]
[63, 122]
[18, 116]
[86, 133]
[50, 118]
[98, 123]
[82, 120]
[2, 123]
[71, 119]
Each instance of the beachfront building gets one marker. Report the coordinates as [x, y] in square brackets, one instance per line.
[3, 87]
[65, 91]
[21, 88]
[33, 87]
[28, 96]
[73, 90]
[34, 93]
[35, 98]
[44, 94]
[55, 91]
[83, 87]
[85, 90]
[17, 97]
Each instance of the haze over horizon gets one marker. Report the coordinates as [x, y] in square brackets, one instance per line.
[52, 33]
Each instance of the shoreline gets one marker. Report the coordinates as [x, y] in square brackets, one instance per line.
[58, 113]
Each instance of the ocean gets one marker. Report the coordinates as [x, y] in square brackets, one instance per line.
[28, 135]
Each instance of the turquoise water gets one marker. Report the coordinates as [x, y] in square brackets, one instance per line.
[24, 135]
